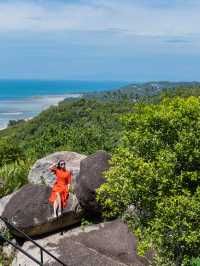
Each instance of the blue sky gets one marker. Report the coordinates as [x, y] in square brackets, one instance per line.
[132, 40]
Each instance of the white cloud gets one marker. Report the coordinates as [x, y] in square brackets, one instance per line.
[122, 17]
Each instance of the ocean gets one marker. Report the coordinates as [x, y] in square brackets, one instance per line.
[24, 99]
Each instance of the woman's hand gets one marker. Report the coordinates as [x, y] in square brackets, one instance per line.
[53, 166]
[70, 189]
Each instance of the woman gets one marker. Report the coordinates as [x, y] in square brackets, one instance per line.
[60, 190]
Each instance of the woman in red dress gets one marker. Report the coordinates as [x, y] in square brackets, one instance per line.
[60, 190]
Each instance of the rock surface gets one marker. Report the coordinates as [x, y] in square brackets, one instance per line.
[106, 244]
[90, 178]
[40, 174]
[3, 202]
[30, 211]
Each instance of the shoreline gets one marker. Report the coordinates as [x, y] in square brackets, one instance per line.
[26, 108]
[40, 97]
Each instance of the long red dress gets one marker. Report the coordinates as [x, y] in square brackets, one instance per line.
[63, 178]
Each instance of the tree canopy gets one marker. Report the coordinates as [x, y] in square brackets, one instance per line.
[156, 171]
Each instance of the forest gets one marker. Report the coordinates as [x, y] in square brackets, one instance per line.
[154, 140]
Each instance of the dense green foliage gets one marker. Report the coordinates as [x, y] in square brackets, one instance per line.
[180, 91]
[81, 125]
[10, 152]
[14, 176]
[148, 92]
[156, 169]
[154, 179]
[15, 122]
[196, 262]
[13, 168]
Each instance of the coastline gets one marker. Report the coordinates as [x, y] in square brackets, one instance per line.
[29, 107]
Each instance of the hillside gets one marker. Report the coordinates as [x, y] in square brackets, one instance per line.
[79, 125]
[82, 125]
[155, 159]
[144, 91]
[85, 125]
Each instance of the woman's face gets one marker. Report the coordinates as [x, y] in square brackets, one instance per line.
[62, 165]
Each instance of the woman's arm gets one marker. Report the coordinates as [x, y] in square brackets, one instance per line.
[53, 167]
[69, 179]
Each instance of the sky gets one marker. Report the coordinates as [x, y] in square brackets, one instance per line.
[127, 40]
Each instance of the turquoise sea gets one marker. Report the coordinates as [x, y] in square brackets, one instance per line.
[24, 99]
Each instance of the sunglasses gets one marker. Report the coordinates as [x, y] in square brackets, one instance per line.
[62, 164]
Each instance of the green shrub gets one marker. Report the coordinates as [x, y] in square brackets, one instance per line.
[156, 169]
[9, 152]
[14, 176]
[195, 262]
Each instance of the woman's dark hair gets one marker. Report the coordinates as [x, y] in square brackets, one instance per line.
[59, 163]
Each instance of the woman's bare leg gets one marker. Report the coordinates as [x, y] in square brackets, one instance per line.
[59, 203]
[55, 206]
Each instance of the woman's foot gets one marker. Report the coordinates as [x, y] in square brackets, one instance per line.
[59, 213]
[51, 218]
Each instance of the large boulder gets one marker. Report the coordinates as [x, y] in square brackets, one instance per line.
[105, 244]
[3, 202]
[90, 178]
[40, 174]
[30, 211]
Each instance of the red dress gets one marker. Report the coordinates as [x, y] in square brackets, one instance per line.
[63, 178]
